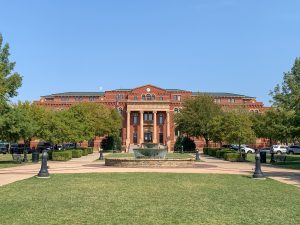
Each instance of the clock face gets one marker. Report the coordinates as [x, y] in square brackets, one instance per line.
[148, 89]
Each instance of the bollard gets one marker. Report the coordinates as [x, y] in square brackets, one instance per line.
[44, 168]
[258, 173]
[197, 156]
[181, 149]
[272, 160]
[25, 159]
[101, 155]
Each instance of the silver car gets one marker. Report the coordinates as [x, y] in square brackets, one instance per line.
[294, 149]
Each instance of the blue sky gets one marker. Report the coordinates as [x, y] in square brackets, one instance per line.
[239, 46]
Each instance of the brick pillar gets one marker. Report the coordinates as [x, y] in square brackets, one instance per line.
[168, 132]
[142, 127]
[154, 127]
[128, 130]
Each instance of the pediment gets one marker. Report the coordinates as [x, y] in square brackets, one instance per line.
[148, 89]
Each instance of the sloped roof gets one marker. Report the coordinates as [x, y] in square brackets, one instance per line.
[76, 94]
[221, 94]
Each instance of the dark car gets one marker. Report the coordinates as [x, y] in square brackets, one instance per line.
[44, 146]
[234, 147]
[19, 148]
[266, 150]
[68, 146]
[294, 149]
[4, 148]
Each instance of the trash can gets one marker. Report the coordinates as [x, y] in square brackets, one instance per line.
[35, 156]
[263, 157]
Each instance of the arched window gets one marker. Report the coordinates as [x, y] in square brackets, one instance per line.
[143, 97]
[153, 97]
[148, 97]
[160, 119]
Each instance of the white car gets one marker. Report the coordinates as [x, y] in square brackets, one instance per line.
[279, 149]
[245, 148]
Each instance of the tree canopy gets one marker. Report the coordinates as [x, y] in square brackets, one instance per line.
[9, 81]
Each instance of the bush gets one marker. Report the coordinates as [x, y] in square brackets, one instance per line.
[90, 150]
[220, 153]
[62, 156]
[111, 143]
[205, 151]
[84, 152]
[235, 157]
[50, 155]
[76, 153]
[212, 151]
[187, 143]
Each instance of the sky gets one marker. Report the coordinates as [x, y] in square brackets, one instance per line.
[236, 46]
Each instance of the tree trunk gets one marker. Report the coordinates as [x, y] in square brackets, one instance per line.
[206, 142]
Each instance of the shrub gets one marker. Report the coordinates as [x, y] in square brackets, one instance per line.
[90, 150]
[235, 157]
[111, 143]
[205, 151]
[187, 143]
[50, 155]
[220, 153]
[76, 153]
[84, 152]
[212, 151]
[62, 156]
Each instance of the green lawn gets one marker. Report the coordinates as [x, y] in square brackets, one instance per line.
[7, 161]
[292, 161]
[169, 155]
[149, 198]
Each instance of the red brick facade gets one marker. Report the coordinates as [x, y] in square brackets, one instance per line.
[147, 111]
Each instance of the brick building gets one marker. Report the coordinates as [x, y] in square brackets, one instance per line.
[147, 111]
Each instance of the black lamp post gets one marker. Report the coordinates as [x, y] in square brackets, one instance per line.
[25, 155]
[44, 168]
[181, 149]
[197, 156]
[258, 173]
[272, 160]
[101, 155]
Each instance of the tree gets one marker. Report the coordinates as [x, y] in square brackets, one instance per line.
[237, 127]
[287, 96]
[196, 116]
[9, 81]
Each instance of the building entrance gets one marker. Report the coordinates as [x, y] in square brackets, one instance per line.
[148, 136]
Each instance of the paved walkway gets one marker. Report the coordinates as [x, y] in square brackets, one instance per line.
[87, 164]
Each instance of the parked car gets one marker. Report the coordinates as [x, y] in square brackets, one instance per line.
[44, 146]
[68, 146]
[294, 149]
[234, 147]
[279, 149]
[247, 149]
[266, 150]
[19, 148]
[4, 148]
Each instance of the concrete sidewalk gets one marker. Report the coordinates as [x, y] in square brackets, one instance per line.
[87, 164]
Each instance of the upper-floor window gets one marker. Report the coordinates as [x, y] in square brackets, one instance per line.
[120, 110]
[92, 98]
[177, 97]
[119, 97]
[135, 98]
[217, 100]
[148, 116]
[143, 97]
[160, 118]
[135, 118]
[161, 98]
[176, 110]
[64, 98]
[148, 97]
[231, 100]
[78, 98]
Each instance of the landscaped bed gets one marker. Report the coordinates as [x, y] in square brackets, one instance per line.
[149, 198]
[6, 160]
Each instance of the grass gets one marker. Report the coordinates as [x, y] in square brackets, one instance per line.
[169, 155]
[292, 161]
[149, 198]
[7, 161]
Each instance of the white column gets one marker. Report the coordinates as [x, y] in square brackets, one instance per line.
[154, 127]
[128, 129]
[141, 127]
[168, 132]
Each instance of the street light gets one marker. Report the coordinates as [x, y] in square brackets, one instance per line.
[44, 168]
[258, 173]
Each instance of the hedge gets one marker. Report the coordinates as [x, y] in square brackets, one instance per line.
[85, 152]
[90, 150]
[62, 156]
[76, 153]
[50, 155]
[220, 153]
[212, 151]
[235, 157]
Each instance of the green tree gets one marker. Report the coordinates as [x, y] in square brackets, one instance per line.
[237, 127]
[196, 116]
[287, 96]
[9, 81]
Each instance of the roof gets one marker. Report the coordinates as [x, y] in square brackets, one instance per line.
[75, 94]
[221, 94]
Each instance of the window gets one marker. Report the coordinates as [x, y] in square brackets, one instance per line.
[135, 118]
[120, 110]
[160, 119]
[217, 100]
[143, 97]
[176, 97]
[148, 97]
[161, 98]
[135, 98]
[92, 98]
[176, 110]
[153, 97]
[78, 98]
[231, 100]
[148, 116]
[65, 98]
[119, 97]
